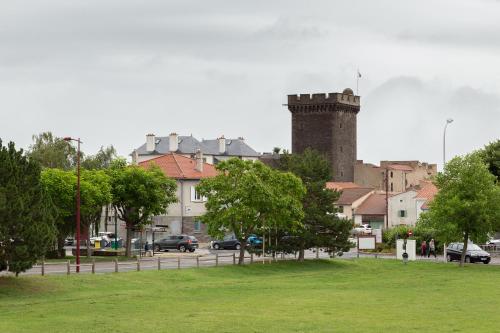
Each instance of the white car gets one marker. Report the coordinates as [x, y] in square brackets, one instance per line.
[365, 229]
[495, 242]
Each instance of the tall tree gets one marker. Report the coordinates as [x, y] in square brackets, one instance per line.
[321, 227]
[247, 197]
[95, 194]
[139, 194]
[61, 186]
[26, 211]
[101, 160]
[52, 152]
[491, 156]
[467, 205]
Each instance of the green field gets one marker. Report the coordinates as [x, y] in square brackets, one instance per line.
[367, 295]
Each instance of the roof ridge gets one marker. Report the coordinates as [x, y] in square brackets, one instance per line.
[178, 166]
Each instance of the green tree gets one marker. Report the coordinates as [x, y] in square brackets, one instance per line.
[101, 160]
[467, 205]
[247, 197]
[321, 227]
[95, 193]
[26, 212]
[138, 194]
[61, 186]
[52, 152]
[491, 156]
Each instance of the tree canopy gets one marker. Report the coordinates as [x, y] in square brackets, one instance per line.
[138, 194]
[467, 205]
[101, 160]
[321, 227]
[248, 197]
[52, 152]
[491, 156]
[27, 214]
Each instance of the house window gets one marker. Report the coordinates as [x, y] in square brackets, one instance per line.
[197, 226]
[392, 174]
[402, 213]
[341, 209]
[196, 196]
[392, 187]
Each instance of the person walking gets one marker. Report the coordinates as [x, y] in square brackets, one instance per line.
[432, 248]
[423, 248]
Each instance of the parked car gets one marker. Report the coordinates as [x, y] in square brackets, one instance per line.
[495, 242]
[228, 242]
[364, 229]
[70, 241]
[254, 240]
[182, 243]
[473, 254]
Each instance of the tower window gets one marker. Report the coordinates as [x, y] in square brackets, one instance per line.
[392, 187]
[341, 149]
[340, 125]
[341, 173]
[392, 174]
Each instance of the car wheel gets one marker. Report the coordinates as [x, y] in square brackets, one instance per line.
[216, 246]
[191, 250]
[486, 262]
[448, 258]
[157, 248]
[182, 248]
[238, 246]
[467, 259]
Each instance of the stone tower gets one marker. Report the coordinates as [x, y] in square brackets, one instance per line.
[327, 123]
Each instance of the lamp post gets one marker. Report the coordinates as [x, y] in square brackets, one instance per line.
[77, 202]
[448, 121]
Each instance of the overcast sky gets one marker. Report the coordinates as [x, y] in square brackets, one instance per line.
[113, 71]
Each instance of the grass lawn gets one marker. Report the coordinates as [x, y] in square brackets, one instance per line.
[365, 295]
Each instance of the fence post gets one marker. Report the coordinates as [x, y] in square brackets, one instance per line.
[317, 252]
[178, 262]
[138, 264]
[68, 267]
[197, 262]
[216, 259]
[93, 266]
[116, 265]
[234, 259]
[43, 267]
[251, 258]
[159, 263]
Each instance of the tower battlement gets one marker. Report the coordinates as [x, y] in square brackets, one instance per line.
[330, 98]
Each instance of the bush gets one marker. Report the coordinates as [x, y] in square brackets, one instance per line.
[420, 233]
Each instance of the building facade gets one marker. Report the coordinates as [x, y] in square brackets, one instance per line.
[327, 123]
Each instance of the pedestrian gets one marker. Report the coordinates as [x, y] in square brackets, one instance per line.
[432, 248]
[146, 247]
[423, 248]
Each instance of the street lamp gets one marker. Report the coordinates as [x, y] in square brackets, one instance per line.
[77, 202]
[448, 121]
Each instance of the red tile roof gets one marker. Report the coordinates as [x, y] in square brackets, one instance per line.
[427, 192]
[349, 195]
[338, 186]
[373, 205]
[180, 167]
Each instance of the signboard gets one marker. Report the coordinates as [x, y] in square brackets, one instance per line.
[378, 235]
[366, 242]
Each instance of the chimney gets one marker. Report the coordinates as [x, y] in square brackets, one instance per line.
[150, 143]
[135, 157]
[222, 144]
[173, 142]
[199, 161]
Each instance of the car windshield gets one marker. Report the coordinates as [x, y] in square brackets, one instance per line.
[474, 247]
[192, 237]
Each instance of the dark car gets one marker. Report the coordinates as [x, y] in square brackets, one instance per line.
[229, 242]
[473, 254]
[182, 243]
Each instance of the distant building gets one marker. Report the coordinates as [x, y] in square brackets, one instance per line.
[213, 150]
[405, 208]
[350, 199]
[372, 210]
[402, 175]
[327, 123]
[183, 216]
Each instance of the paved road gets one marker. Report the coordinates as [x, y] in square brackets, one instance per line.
[206, 258]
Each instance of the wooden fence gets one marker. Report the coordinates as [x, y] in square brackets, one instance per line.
[139, 264]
